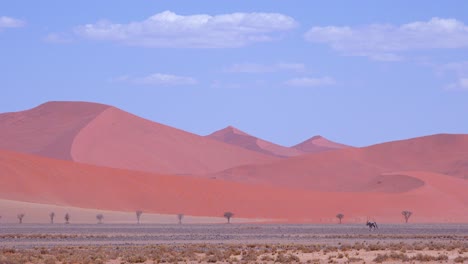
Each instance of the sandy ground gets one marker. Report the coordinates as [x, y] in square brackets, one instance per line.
[39, 214]
[231, 243]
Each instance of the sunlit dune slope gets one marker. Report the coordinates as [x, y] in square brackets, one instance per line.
[234, 136]
[106, 136]
[47, 181]
[360, 169]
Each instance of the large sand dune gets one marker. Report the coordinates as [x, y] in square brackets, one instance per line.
[106, 136]
[42, 180]
[360, 169]
[318, 144]
[234, 136]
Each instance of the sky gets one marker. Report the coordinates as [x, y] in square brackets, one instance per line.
[356, 72]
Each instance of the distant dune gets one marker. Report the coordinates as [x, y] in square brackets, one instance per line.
[360, 169]
[318, 144]
[47, 181]
[103, 135]
[234, 136]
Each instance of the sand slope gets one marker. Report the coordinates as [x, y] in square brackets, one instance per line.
[47, 181]
[234, 136]
[48, 129]
[103, 135]
[360, 169]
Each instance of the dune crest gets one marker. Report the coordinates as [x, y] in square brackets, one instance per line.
[234, 136]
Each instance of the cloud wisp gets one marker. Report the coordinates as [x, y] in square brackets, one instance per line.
[157, 79]
[170, 30]
[311, 82]
[460, 71]
[386, 42]
[266, 68]
[9, 22]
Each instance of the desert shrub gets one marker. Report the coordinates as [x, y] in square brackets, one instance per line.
[392, 256]
[460, 259]
[427, 258]
[135, 259]
[281, 258]
[354, 259]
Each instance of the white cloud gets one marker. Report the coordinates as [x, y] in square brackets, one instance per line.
[385, 41]
[9, 22]
[264, 68]
[460, 85]
[57, 38]
[459, 70]
[168, 29]
[310, 82]
[157, 79]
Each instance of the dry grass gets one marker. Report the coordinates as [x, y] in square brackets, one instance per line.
[241, 253]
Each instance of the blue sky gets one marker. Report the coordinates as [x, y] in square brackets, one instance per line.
[357, 72]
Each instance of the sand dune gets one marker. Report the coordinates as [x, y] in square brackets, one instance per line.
[234, 136]
[360, 169]
[41, 180]
[318, 144]
[106, 136]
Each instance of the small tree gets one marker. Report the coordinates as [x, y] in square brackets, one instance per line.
[138, 215]
[67, 218]
[180, 217]
[99, 217]
[406, 215]
[20, 218]
[340, 216]
[52, 215]
[228, 216]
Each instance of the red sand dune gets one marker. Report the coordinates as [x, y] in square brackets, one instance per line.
[318, 144]
[234, 136]
[42, 180]
[360, 169]
[106, 136]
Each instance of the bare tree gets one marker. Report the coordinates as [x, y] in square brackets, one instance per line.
[20, 218]
[406, 215]
[180, 217]
[67, 218]
[228, 216]
[138, 215]
[99, 217]
[52, 215]
[340, 216]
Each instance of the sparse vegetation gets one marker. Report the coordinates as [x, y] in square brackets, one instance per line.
[340, 216]
[228, 216]
[99, 217]
[407, 215]
[67, 218]
[138, 215]
[20, 218]
[180, 217]
[52, 216]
